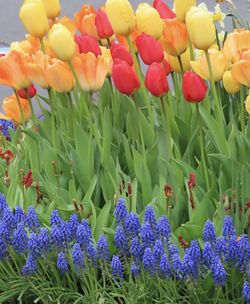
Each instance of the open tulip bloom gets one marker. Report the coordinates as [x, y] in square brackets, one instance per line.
[149, 104]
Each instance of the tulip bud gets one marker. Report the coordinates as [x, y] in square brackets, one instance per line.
[62, 42]
[12, 110]
[87, 43]
[52, 8]
[174, 63]
[182, 7]
[103, 26]
[118, 51]
[121, 16]
[194, 87]
[31, 91]
[167, 67]
[144, 13]
[85, 20]
[230, 85]
[156, 81]
[34, 18]
[201, 28]
[164, 11]
[248, 104]
[124, 77]
[149, 49]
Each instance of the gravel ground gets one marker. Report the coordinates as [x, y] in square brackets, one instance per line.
[11, 29]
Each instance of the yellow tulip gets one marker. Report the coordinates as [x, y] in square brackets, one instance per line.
[182, 7]
[61, 42]
[52, 8]
[34, 18]
[230, 85]
[174, 63]
[121, 16]
[219, 64]
[248, 104]
[12, 110]
[149, 21]
[201, 27]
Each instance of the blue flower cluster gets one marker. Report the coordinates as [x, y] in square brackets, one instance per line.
[145, 247]
[4, 127]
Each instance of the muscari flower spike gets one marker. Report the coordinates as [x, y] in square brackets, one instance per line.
[149, 216]
[218, 273]
[9, 218]
[30, 267]
[33, 245]
[31, 220]
[243, 254]
[177, 266]
[121, 211]
[165, 267]
[208, 254]
[209, 234]
[3, 203]
[147, 234]
[19, 215]
[102, 250]
[163, 229]
[228, 228]
[20, 239]
[55, 218]
[221, 246]
[135, 269]
[4, 127]
[158, 250]
[78, 258]
[57, 237]
[120, 240]
[117, 268]
[62, 263]
[136, 249]
[149, 261]
[246, 291]
[44, 241]
[132, 225]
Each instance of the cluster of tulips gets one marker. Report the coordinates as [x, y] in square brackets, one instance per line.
[183, 41]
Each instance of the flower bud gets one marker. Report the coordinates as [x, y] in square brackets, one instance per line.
[118, 51]
[174, 63]
[87, 43]
[103, 26]
[248, 104]
[193, 87]
[12, 110]
[52, 8]
[182, 7]
[163, 9]
[31, 91]
[156, 81]
[85, 20]
[230, 85]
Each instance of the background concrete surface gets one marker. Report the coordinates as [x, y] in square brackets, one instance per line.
[11, 28]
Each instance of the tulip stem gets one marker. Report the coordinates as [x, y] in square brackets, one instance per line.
[202, 146]
[191, 50]
[181, 64]
[19, 106]
[242, 110]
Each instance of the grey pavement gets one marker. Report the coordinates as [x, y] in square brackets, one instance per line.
[11, 28]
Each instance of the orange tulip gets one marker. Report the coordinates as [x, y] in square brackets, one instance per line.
[241, 69]
[59, 76]
[174, 39]
[91, 71]
[219, 64]
[14, 70]
[66, 21]
[28, 46]
[85, 20]
[12, 110]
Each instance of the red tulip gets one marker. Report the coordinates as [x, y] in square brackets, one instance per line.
[164, 11]
[2, 55]
[149, 49]
[103, 26]
[124, 77]
[167, 67]
[118, 51]
[87, 43]
[31, 91]
[194, 87]
[156, 81]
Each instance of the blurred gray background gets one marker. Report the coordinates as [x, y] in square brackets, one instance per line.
[11, 29]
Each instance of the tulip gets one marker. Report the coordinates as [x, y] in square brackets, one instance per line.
[52, 8]
[12, 109]
[156, 81]
[120, 52]
[241, 69]
[59, 77]
[85, 20]
[28, 46]
[149, 49]
[103, 26]
[175, 37]
[146, 13]
[34, 18]
[201, 27]
[31, 92]
[106, 54]
[230, 85]
[194, 87]
[122, 39]
[248, 104]
[62, 42]
[175, 65]
[182, 7]
[219, 64]
[167, 66]
[87, 43]
[14, 70]
[91, 71]
[124, 77]
[69, 23]
[164, 11]
[121, 16]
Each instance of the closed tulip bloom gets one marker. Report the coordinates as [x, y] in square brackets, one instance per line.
[156, 80]
[201, 28]
[219, 64]
[121, 16]
[52, 8]
[31, 92]
[193, 87]
[62, 42]
[103, 26]
[85, 20]
[133, 36]
[59, 77]
[182, 7]
[148, 20]
[230, 85]
[248, 104]
[69, 23]
[118, 51]
[124, 77]
[106, 54]
[14, 70]
[167, 66]
[91, 71]
[174, 63]
[149, 49]
[175, 37]
[34, 18]
[12, 110]
[163, 9]
[87, 43]
[241, 69]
